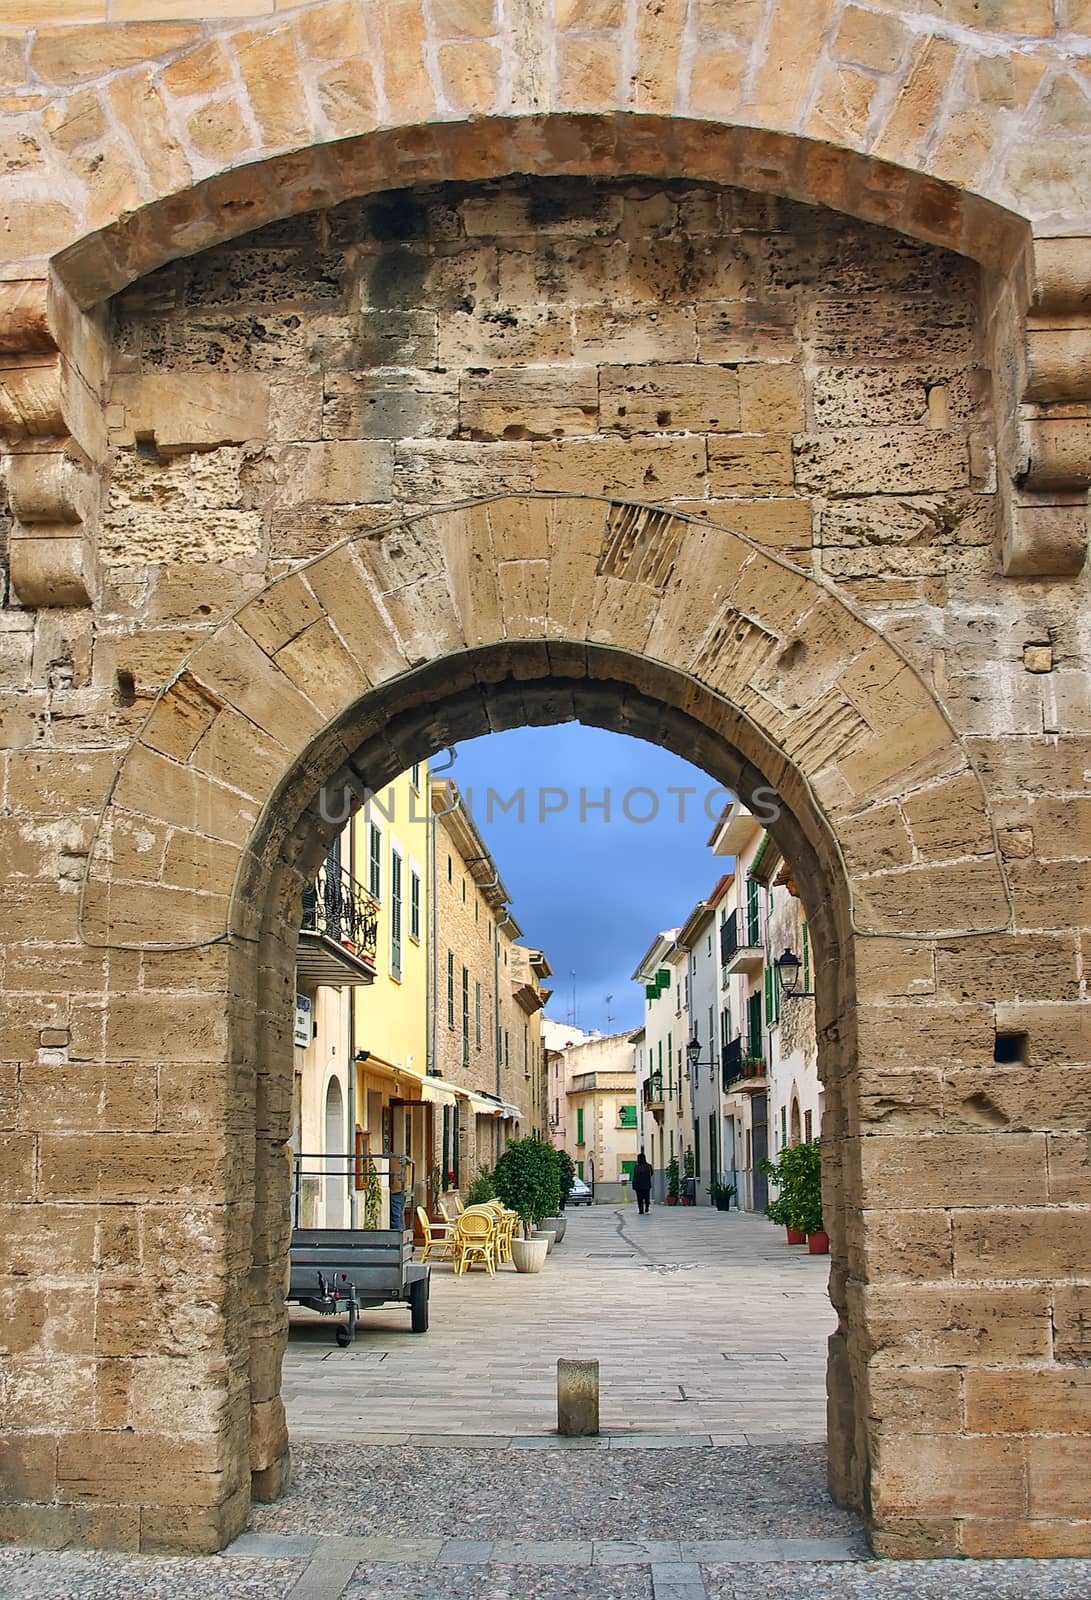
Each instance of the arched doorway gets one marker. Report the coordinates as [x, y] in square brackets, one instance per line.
[336, 1146]
[382, 711]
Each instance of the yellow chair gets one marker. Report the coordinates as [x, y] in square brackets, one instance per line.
[439, 1239]
[459, 1207]
[475, 1240]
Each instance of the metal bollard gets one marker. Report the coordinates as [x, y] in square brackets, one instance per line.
[577, 1398]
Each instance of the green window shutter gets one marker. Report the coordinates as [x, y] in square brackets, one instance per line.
[455, 1141]
[628, 1167]
[446, 1144]
[627, 1116]
[697, 1151]
[450, 988]
[579, 1169]
[753, 1010]
[713, 1146]
[769, 1017]
[579, 1125]
[651, 991]
[663, 978]
[806, 957]
[783, 1126]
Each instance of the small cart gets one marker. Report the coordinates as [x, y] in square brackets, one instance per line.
[342, 1270]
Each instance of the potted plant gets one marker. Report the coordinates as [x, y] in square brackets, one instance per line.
[528, 1182]
[689, 1191]
[373, 1197]
[482, 1187]
[721, 1194]
[673, 1183]
[808, 1214]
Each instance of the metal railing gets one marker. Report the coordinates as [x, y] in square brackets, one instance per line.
[741, 931]
[339, 906]
[652, 1089]
[737, 1066]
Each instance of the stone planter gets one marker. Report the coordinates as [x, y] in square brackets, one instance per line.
[549, 1236]
[529, 1254]
[556, 1225]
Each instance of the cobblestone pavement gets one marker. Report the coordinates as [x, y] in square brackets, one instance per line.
[715, 1491]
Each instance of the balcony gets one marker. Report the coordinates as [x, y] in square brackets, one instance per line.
[339, 931]
[652, 1092]
[746, 1073]
[741, 949]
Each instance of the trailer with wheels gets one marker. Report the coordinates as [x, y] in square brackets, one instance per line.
[340, 1271]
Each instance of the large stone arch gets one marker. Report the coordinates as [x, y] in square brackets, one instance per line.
[205, 130]
[538, 609]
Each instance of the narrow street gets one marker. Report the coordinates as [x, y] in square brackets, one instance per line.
[704, 1324]
[426, 1467]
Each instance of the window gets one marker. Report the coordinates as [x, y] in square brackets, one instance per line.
[783, 1126]
[753, 912]
[808, 1126]
[725, 1028]
[526, 1051]
[374, 862]
[753, 1024]
[414, 905]
[628, 1168]
[414, 775]
[772, 998]
[626, 1116]
[670, 1066]
[697, 1150]
[507, 1048]
[395, 914]
[446, 1147]
[464, 891]
[806, 957]
[450, 871]
[579, 1126]
[477, 1015]
[450, 988]
[713, 1146]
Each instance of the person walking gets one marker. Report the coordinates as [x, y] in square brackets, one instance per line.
[642, 1184]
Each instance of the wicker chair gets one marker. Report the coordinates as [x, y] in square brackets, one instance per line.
[475, 1239]
[439, 1239]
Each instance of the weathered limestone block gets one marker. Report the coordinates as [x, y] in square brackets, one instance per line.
[881, 462]
[187, 509]
[185, 411]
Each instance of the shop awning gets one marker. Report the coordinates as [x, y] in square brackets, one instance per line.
[482, 1105]
[431, 1089]
[511, 1112]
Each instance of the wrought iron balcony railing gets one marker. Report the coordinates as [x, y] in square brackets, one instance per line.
[341, 909]
[737, 1067]
[652, 1089]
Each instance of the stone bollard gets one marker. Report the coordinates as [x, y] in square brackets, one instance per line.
[577, 1398]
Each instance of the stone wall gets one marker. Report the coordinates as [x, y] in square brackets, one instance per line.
[727, 360]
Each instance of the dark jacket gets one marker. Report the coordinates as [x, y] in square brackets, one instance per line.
[642, 1177]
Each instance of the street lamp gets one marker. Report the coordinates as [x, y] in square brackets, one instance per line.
[788, 967]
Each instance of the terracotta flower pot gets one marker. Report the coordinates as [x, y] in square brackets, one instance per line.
[818, 1243]
[796, 1236]
[672, 1200]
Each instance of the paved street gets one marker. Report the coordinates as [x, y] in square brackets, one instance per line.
[425, 1468]
[704, 1323]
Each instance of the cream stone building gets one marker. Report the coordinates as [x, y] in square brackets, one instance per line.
[487, 999]
[375, 376]
[596, 1075]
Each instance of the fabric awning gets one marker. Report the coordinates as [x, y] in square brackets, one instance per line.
[483, 1106]
[511, 1112]
[435, 1090]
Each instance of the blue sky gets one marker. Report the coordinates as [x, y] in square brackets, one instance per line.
[592, 892]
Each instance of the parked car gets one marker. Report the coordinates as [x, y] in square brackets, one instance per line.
[579, 1194]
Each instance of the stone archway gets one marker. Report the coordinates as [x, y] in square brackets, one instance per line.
[150, 920]
[533, 610]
